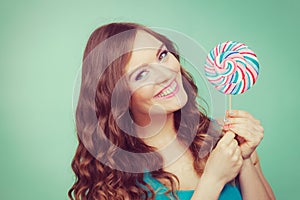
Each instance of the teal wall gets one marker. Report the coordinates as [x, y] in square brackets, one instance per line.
[41, 45]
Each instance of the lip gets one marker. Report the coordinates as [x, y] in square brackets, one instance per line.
[171, 94]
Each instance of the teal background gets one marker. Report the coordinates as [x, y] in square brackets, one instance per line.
[41, 46]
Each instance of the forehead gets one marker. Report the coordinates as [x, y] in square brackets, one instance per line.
[144, 40]
[144, 50]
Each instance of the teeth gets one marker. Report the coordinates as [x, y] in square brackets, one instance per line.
[168, 90]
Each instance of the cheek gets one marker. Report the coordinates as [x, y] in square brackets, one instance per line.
[141, 100]
[142, 94]
[174, 64]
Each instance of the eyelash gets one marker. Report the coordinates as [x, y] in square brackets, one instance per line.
[137, 78]
[161, 54]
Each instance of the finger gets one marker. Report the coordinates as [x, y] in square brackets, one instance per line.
[251, 129]
[227, 138]
[233, 145]
[231, 148]
[259, 128]
[239, 113]
[241, 130]
[245, 121]
[237, 155]
[252, 126]
[239, 120]
[247, 135]
[238, 151]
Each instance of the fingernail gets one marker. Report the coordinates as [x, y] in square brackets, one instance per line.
[231, 112]
[226, 120]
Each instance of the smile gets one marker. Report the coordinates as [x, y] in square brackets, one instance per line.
[169, 91]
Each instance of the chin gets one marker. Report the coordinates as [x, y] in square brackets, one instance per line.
[179, 102]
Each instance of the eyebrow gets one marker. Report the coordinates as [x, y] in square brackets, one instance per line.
[159, 49]
[145, 64]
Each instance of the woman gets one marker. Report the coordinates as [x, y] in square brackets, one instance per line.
[142, 134]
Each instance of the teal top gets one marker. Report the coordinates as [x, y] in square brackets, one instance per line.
[229, 192]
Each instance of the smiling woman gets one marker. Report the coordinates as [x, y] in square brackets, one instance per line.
[157, 81]
[142, 134]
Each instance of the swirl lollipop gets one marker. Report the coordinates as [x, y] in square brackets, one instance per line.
[232, 68]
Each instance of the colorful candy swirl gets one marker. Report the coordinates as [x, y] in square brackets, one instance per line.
[231, 67]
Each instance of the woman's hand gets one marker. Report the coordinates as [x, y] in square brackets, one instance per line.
[248, 130]
[225, 161]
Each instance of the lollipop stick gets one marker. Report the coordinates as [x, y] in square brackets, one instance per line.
[229, 102]
[235, 180]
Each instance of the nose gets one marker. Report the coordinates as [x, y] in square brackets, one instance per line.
[162, 74]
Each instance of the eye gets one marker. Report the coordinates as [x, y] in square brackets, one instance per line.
[141, 75]
[163, 55]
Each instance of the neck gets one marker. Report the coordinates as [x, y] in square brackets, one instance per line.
[159, 132]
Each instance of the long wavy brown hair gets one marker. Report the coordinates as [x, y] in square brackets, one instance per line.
[99, 159]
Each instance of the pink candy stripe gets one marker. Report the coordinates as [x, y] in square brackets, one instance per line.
[238, 46]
